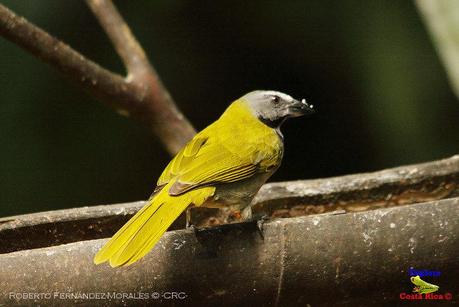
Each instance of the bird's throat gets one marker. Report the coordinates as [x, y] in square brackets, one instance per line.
[275, 124]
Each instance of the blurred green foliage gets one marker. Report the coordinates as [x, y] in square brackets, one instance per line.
[368, 66]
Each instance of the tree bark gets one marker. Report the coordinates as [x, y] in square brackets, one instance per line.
[141, 95]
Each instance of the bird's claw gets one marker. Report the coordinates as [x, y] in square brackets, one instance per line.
[260, 224]
[193, 228]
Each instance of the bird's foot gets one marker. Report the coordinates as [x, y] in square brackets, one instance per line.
[260, 224]
[197, 231]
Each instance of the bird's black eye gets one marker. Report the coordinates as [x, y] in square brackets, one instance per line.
[275, 99]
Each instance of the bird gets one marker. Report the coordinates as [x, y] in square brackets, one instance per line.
[224, 165]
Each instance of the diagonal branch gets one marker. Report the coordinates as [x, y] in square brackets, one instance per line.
[140, 96]
[127, 47]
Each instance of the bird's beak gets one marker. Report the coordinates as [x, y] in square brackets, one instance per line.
[300, 108]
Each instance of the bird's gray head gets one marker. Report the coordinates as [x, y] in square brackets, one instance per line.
[272, 107]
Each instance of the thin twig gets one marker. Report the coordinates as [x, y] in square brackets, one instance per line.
[123, 40]
[143, 98]
[95, 79]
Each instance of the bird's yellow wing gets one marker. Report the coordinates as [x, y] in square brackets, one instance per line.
[183, 158]
[211, 158]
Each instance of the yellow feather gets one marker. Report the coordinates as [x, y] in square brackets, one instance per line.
[143, 231]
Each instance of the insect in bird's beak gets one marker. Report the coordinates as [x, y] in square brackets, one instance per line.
[300, 108]
[303, 101]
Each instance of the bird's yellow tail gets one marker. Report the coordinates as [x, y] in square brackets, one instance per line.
[138, 236]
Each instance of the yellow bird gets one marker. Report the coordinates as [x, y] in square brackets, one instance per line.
[223, 165]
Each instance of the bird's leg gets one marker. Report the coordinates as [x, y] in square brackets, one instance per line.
[189, 225]
[188, 218]
[235, 215]
[246, 213]
[240, 215]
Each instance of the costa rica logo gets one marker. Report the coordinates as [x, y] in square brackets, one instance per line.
[423, 287]
[424, 290]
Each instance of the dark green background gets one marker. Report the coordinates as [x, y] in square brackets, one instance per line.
[368, 66]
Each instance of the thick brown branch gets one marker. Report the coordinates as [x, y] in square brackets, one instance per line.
[145, 100]
[393, 187]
